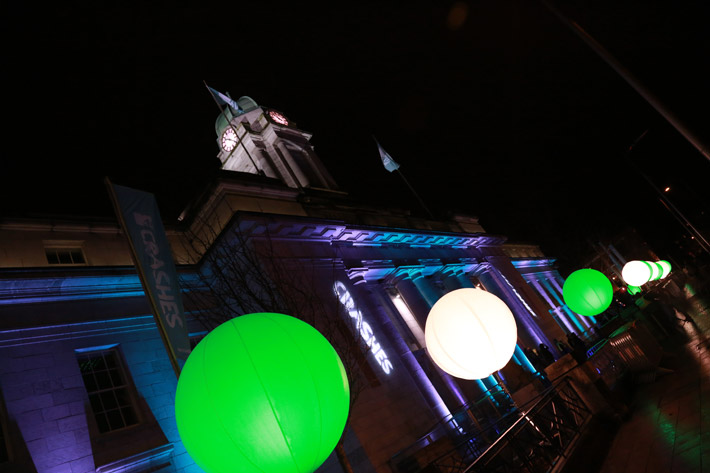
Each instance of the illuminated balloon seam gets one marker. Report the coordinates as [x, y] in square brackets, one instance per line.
[588, 292]
[470, 333]
[242, 403]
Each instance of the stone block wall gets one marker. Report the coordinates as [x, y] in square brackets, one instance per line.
[45, 397]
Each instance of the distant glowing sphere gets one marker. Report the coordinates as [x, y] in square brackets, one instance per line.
[587, 292]
[656, 270]
[262, 393]
[633, 290]
[636, 273]
[470, 333]
[665, 268]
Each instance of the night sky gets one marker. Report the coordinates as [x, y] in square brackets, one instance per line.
[492, 108]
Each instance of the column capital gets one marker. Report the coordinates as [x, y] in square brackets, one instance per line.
[404, 272]
[357, 275]
[451, 270]
[482, 268]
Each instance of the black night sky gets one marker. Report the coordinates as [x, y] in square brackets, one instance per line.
[493, 108]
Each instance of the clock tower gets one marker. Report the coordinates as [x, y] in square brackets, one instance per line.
[261, 140]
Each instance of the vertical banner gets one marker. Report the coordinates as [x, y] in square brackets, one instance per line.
[139, 217]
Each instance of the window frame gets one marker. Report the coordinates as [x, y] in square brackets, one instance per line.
[55, 247]
[127, 390]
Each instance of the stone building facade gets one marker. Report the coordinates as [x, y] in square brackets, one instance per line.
[85, 381]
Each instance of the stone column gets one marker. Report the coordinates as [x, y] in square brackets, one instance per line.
[556, 311]
[527, 329]
[426, 289]
[417, 304]
[529, 307]
[573, 323]
[373, 298]
[455, 278]
[557, 282]
[420, 296]
[291, 165]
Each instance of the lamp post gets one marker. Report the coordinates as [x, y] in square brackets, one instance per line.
[632, 81]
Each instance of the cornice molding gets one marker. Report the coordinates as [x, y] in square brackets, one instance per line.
[335, 232]
[72, 331]
[73, 287]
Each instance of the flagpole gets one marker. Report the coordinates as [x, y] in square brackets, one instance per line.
[236, 133]
[391, 165]
[421, 202]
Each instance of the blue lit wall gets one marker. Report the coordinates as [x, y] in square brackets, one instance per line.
[45, 395]
[46, 399]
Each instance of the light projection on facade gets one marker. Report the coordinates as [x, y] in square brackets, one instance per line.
[588, 292]
[470, 333]
[363, 328]
[262, 393]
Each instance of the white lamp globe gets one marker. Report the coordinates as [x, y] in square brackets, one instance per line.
[636, 273]
[666, 268]
[656, 270]
[470, 333]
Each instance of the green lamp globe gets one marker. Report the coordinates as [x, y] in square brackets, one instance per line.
[262, 393]
[587, 292]
[633, 290]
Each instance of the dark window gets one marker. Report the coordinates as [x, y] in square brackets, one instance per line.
[65, 256]
[4, 454]
[5, 445]
[109, 392]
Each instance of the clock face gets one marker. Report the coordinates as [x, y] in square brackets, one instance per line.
[278, 118]
[229, 139]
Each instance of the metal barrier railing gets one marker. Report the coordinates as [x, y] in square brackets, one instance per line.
[544, 434]
[526, 438]
[469, 434]
[475, 426]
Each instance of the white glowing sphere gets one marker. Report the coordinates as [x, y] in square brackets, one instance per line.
[636, 273]
[470, 333]
[666, 268]
[656, 270]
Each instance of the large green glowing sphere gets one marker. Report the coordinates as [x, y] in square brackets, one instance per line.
[262, 393]
[587, 292]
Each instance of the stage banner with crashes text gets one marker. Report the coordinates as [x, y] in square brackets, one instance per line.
[138, 214]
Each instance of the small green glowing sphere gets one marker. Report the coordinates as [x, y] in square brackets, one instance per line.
[633, 290]
[587, 292]
[262, 393]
